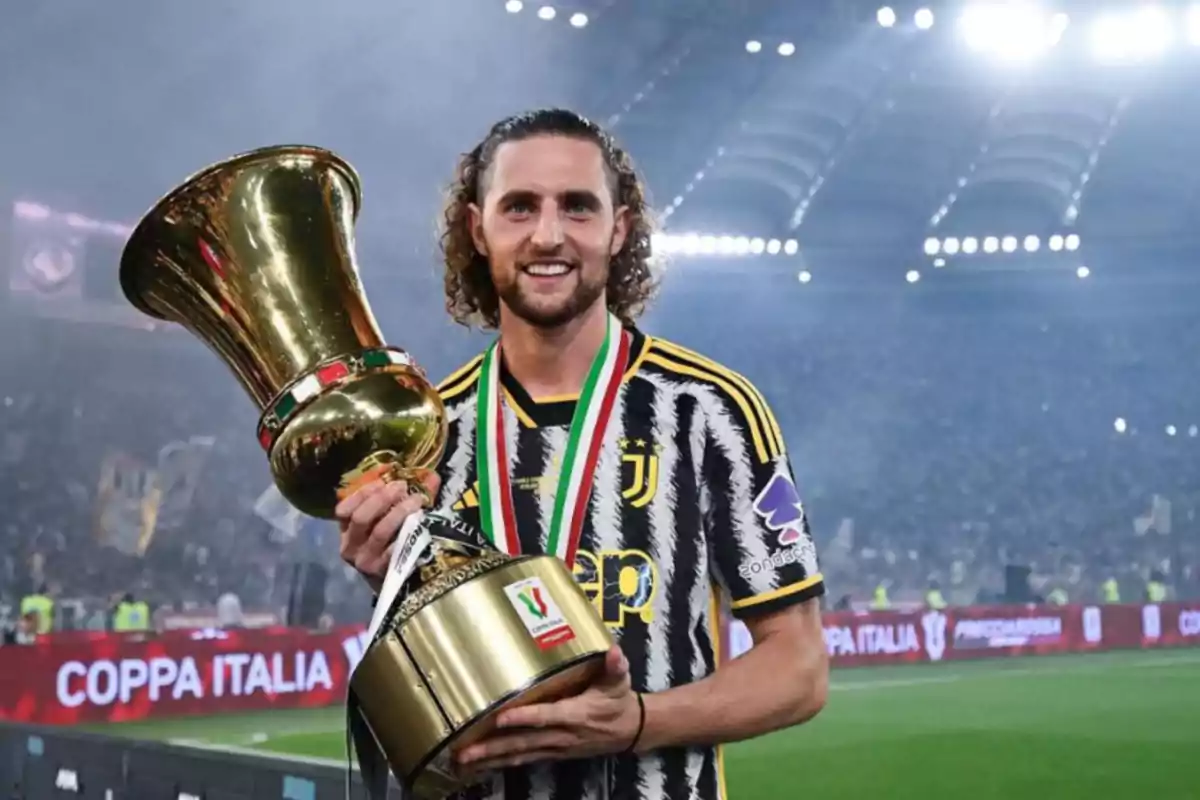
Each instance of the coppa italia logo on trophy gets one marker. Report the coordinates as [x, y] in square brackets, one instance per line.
[539, 613]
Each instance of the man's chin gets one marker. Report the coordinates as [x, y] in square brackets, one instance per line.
[548, 311]
[545, 313]
[547, 317]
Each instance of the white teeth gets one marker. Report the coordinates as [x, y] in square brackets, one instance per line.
[557, 268]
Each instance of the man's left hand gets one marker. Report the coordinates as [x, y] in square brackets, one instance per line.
[602, 720]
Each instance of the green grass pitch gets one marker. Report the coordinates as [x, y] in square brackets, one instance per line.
[1121, 725]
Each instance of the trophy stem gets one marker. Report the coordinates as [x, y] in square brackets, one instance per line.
[385, 466]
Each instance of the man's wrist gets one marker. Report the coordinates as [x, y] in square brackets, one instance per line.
[652, 736]
[636, 739]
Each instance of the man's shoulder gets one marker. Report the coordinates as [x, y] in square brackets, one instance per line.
[459, 386]
[723, 391]
[689, 368]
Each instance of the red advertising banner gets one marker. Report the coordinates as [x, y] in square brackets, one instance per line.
[115, 677]
[896, 637]
[119, 678]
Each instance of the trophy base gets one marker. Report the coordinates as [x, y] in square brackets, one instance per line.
[435, 778]
[519, 633]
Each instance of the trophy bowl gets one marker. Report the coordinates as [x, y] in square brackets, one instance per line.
[255, 257]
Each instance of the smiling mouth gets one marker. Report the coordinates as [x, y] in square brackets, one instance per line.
[547, 269]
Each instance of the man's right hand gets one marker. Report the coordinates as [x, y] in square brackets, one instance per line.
[369, 520]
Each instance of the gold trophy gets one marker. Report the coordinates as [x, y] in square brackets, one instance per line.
[255, 256]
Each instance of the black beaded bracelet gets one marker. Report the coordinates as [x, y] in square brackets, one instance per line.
[637, 737]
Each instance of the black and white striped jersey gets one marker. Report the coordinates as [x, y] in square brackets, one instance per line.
[694, 508]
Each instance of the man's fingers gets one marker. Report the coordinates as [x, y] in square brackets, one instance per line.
[616, 670]
[516, 744]
[563, 713]
[432, 482]
[375, 506]
[363, 537]
[384, 532]
[348, 506]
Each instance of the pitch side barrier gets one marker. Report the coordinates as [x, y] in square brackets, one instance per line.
[954, 634]
[45, 763]
[74, 678]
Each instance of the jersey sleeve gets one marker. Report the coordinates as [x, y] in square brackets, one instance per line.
[760, 545]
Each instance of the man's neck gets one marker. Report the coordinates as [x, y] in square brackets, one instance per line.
[552, 362]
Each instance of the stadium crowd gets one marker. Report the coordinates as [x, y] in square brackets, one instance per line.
[930, 447]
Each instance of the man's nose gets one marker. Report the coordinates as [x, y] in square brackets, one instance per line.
[549, 232]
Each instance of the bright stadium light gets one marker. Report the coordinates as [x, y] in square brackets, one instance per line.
[547, 13]
[1032, 243]
[805, 276]
[886, 17]
[991, 244]
[950, 246]
[1009, 244]
[912, 276]
[1171, 431]
[923, 19]
[514, 6]
[1012, 32]
[1131, 35]
[1083, 272]
[708, 244]
[579, 19]
[753, 46]
[1072, 242]
[787, 49]
[1055, 243]
[970, 245]
[1120, 425]
[933, 246]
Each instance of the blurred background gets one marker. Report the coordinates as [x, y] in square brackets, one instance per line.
[955, 246]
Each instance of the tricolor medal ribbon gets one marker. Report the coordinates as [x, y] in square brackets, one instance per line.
[584, 441]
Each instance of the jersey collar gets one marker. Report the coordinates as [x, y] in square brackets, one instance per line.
[550, 412]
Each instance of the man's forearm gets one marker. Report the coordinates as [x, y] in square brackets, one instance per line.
[775, 685]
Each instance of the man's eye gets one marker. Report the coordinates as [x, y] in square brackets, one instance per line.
[520, 207]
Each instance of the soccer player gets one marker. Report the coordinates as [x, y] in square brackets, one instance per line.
[689, 501]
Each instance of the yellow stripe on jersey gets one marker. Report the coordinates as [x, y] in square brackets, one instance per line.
[714, 621]
[556, 398]
[764, 445]
[775, 594]
[760, 403]
[461, 380]
[522, 415]
[636, 359]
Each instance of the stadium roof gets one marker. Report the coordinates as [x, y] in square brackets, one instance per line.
[839, 132]
[796, 122]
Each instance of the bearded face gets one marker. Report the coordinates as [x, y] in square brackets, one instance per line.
[548, 228]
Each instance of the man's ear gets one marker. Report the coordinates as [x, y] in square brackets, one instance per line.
[475, 220]
[621, 223]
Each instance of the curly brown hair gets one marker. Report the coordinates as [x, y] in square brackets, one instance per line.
[471, 296]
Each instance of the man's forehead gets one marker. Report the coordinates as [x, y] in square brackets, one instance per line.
[548, 165]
